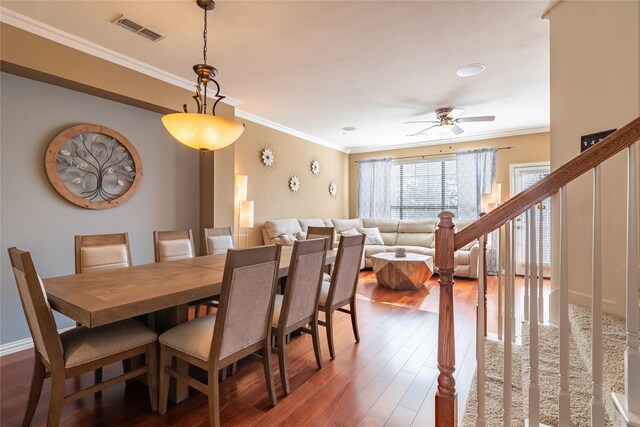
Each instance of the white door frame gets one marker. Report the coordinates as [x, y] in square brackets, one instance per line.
[513, 190]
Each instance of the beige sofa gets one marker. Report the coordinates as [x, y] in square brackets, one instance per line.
[416, 236]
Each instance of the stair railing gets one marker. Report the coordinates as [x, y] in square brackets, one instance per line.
[503, 218]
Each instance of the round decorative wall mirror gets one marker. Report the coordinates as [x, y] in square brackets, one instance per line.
[93, 166]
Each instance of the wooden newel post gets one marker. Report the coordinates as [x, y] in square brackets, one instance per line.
[446, 396]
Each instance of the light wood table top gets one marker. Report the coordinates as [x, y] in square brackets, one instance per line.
[100, 297]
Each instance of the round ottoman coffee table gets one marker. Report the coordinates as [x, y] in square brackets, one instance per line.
[408, 272]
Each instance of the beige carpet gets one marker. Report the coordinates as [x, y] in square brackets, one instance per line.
[549, 381]
[494, 389]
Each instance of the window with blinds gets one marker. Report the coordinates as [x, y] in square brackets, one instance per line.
[423, 189]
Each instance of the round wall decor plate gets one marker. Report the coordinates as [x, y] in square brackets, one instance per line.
[93, 166]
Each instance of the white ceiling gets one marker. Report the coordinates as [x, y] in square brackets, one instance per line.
[318, 66]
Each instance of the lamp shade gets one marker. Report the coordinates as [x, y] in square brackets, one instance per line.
[202, 131]
[241, 185]
[246, 213]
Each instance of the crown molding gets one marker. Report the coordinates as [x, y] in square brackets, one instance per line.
[41, 29]
[502, 134]
[268, 123]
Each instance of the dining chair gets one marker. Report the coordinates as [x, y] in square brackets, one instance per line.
[240, 327]
[102, 252]
[218, 240]
[79, 350]
[341, 289]
[328, 233]
[299, 304]
[97, 252]
[173, 245]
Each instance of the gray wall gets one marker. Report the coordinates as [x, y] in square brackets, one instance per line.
[35, 218]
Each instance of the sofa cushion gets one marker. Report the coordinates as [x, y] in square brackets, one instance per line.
[464, 257]
[277, 227]
[372, 236]
[417, 250]
[413, 232]
[314, 222]
[345, 224]
[415, 239]
[375, 249]
[388, 228]
[285, 239]
[417, 225]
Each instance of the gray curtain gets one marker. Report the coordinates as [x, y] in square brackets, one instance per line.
[374, 188]
[476, 170]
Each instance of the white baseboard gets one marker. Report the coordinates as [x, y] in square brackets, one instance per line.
[24, 344]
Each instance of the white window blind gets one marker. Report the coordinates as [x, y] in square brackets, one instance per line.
[423, 189]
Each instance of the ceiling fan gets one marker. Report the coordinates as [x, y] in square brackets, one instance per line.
[448, 121]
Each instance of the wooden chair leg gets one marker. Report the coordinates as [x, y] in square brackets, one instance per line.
[329, 327]
[152, 375]
[164, 380]
[197, 311]
[316, 343]
[282, 361]
[354, 320]
[57, 400]
[214, 398]
[266, 360]
[37, 379]
[234, 368]
[97, 379]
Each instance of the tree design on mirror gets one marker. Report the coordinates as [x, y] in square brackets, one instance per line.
[93, 166]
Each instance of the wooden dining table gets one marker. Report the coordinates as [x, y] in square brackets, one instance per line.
[98, 298]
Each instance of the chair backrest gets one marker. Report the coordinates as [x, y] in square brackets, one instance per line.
[304, 281]
[246, 300]
[173, 245]
[347, 267]
[102, 252]
[36, 308]
[327, 232]
[218, 240]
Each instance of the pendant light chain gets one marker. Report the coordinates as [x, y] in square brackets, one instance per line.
[204, 53]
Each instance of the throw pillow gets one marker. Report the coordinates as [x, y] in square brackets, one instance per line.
[350, 232]
[301, 235]
[373, 236]
[284, 239]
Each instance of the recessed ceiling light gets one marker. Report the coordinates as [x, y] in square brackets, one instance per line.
[471, 70]
[349, 128]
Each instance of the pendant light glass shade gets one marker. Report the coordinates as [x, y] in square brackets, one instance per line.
[202, 131]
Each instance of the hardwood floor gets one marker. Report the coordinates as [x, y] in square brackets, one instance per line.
[389, 378]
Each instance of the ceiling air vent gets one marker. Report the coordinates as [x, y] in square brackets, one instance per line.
[139, 29]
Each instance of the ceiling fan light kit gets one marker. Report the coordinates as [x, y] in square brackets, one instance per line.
[447, 122]
[200, 130]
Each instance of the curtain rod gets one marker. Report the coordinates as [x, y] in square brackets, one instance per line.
[422, 156]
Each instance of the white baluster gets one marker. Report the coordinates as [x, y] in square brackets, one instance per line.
[512, 300]
[527, 265]
[508, 309]
[500, 267]
[541, 265]
[629, 404]
[534, 390]
[480, 420]
[564, 401]
[597, 404]
[632, 352]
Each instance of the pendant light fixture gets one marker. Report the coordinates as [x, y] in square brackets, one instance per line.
[201, 130]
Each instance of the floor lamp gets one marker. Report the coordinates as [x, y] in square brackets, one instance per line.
[246, 218]
[241, 186]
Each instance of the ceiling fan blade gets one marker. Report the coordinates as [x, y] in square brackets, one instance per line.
[456, 130]
[422, 121]
[476, 119]
[423, 131]
[455, 112]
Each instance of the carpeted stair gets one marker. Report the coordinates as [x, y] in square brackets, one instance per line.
[549, 381]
